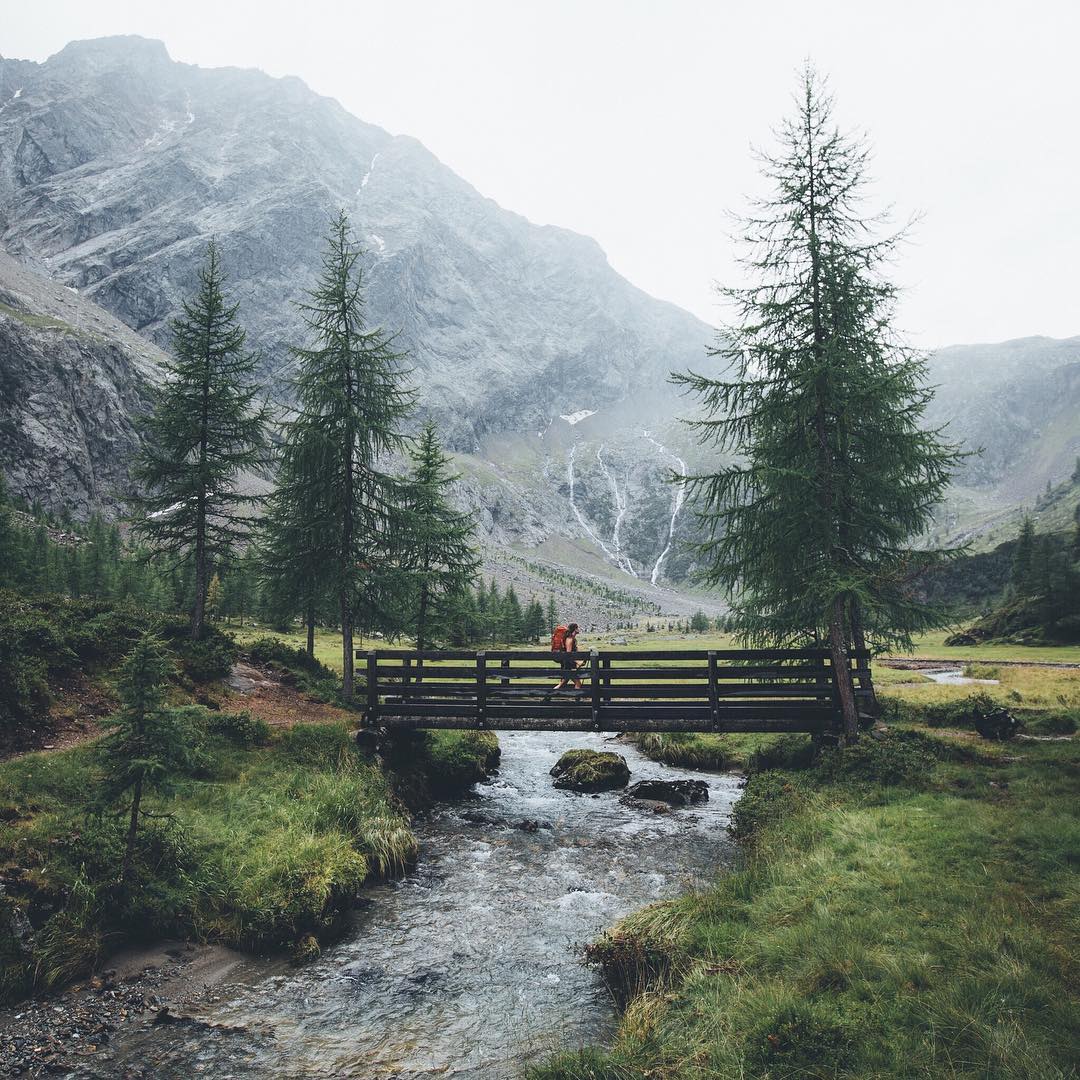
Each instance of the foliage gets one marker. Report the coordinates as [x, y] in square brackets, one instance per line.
[829, 472]
[438, 543]
[147, 745]
[203, 432]
[350, 402]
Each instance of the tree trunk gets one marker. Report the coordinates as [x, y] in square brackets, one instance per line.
[310, 617]
[346, 646]
[842, 672]
[133, 828]
[198, 612]
[421, 625]
[858, 638]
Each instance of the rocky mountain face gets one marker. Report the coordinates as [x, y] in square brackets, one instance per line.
[117, 165]
[72, 381]
[545, 369]
[1018, 404]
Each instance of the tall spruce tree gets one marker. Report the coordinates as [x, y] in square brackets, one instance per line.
[440, 557]
[351, 401]
[295, 545]
[204, 430]
[810, 524]
[1022, 571]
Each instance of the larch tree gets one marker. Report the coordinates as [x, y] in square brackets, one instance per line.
[204, 431]
[351, 401]
[147, 745]
[828, 476]
[297, 538]
[439, 553]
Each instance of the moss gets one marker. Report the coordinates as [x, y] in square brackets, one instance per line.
[590, 771]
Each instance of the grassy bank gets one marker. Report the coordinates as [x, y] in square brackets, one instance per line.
[265, 839]
[263, 846]
[907, 908]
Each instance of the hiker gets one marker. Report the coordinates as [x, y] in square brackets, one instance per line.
[564, 641]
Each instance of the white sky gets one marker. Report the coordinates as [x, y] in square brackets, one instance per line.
[632, 121]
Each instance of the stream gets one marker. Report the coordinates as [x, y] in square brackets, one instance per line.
[469, 967]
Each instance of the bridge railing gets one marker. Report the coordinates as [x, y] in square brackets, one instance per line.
[621, 690]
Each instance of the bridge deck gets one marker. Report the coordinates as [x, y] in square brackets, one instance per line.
[656, 690]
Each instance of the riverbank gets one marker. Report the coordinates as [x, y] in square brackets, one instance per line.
[906, 908]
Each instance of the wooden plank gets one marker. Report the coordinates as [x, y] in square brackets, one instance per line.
[594, 685]
[585, 723]
[481, 687]
[723, 655]
[372, 685]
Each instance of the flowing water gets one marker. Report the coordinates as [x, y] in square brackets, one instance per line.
[470, 966]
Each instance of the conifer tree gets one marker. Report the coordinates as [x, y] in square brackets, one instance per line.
[205, 429]
[810, 526]
[1022, 575]
[147, 744]
[351, 402]
[11, 548]
[552, 615]
[440, 556]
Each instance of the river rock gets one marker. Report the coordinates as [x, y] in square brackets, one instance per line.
[591, 770]
[671, 792]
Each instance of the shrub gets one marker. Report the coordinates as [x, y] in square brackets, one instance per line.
[1063, 722]
[787, 752]
[801, 1039]
[767, 797]
[270, 650]
[211, 657]
[897, 758]
[239, 728]
[317, 745]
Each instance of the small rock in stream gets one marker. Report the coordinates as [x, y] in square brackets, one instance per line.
[671, 792]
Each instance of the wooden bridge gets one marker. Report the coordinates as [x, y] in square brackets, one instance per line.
[656, 690]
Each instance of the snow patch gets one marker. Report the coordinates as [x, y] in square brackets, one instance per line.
[14, 97]
[165, 513]
[379, 242]
[577, 417]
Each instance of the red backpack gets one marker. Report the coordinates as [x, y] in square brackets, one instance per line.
[558, 639]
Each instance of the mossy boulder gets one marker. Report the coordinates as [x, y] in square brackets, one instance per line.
[591, 770]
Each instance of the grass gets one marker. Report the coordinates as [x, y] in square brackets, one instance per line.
[269, 839]
[909, 911]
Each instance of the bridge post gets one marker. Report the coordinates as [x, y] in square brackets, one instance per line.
[594, 662]
[481, 689]
[372, 688]
[505, 665]
[714, 703]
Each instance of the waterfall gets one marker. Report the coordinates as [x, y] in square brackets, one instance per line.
[676, 505]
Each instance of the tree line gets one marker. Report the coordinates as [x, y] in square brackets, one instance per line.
[358, 530]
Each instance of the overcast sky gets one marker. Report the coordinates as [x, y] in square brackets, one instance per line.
[633, 121]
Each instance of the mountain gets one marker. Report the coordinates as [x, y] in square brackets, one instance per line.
[72, 381]
[545, 369]
[1018, 402]
[118, 164]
